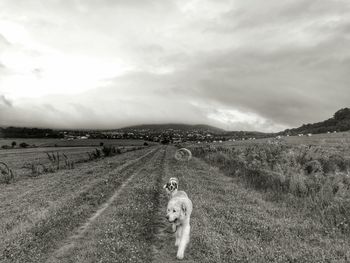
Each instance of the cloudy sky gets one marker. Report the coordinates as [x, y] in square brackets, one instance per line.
[235, 64]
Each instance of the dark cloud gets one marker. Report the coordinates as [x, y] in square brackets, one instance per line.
[236, 64]
[252, 15]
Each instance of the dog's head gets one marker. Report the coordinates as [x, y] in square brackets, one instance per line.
[176, 211]
[172, 185]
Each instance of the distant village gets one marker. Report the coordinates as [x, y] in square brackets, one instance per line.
[165, 136]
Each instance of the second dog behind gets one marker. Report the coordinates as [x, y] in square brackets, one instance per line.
[171, 186]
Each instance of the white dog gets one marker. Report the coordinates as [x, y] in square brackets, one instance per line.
[178, 213]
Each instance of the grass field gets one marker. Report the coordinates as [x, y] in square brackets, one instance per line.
[72, 143]
[112, 210]
[20, 160]
[338, 140]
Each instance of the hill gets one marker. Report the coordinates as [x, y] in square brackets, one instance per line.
[175, 126]
[339, 122]
[23, 132]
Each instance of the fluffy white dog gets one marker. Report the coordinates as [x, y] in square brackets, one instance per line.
[178, 213]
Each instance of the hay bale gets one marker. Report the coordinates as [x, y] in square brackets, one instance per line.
[183, 154]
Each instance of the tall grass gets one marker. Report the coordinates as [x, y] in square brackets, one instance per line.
[6, 174]
[317, 177]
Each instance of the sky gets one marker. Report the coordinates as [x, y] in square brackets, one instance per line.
[235, 64]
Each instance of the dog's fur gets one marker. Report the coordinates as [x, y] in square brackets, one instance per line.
[178, 213]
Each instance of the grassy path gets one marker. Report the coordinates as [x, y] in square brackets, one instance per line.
[56, 204]
[125, 231]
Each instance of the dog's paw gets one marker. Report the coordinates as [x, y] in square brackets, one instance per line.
[180, 256]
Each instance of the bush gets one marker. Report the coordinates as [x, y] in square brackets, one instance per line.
[6, 147]
[109, 150]
[313, 167]
[23, 145]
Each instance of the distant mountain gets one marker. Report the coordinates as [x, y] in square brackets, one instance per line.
[248, 134]
[339, 122]
[175, 126]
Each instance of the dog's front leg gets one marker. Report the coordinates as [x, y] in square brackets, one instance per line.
[178, 235]
[184, 239]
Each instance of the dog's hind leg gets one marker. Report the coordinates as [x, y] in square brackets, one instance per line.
[184, 239]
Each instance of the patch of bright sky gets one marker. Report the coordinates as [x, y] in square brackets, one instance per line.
[48, 71]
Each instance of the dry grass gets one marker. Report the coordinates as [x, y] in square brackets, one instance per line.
[316, 177]
[36, 161]
[125, 231]
[232, 223]
[36, 214]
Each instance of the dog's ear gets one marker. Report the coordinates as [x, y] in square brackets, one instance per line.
[165, 186]
[184, 208]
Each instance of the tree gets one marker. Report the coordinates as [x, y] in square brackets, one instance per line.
[342, 114]
[13, 144]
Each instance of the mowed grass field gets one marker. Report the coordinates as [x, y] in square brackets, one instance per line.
[113, 210]
[20, 159]
[71, 143]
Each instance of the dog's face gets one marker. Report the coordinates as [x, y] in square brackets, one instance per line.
[171, 186]
[176, 212]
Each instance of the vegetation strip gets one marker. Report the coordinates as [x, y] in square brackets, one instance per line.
[313, 178]
[248, 228]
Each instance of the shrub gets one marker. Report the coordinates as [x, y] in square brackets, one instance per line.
[6, 147]
[96, 153]
[108, 150]
[313, 167]
[23, 145]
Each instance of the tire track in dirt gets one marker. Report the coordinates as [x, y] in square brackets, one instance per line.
[69, 242]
